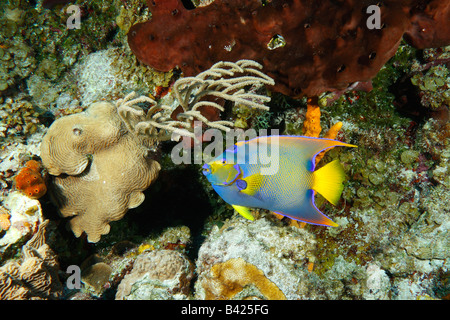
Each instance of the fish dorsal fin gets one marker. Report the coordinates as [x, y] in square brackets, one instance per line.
[253, 184]
[307, 147]
[244, 211]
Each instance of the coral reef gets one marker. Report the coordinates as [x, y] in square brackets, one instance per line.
[26, 48]
[36, 276]
[429, 236]
[101, 75]
[41, 57]
[319, 52]
[175, 237]
[89, 154]
[390, 216]
[393, 236]
[29, 180]
[157, 275]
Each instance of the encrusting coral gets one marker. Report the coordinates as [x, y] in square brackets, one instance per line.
[307, 48]
[229, 278]
[99, 168]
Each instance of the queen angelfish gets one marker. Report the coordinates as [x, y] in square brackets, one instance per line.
[281, 179]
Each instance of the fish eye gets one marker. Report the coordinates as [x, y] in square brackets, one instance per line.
[224, 161]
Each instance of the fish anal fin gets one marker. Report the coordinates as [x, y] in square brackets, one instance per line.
[308, 212]
[244, 211]
[318, 219]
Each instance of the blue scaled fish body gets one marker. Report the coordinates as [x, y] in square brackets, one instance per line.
[278, 173]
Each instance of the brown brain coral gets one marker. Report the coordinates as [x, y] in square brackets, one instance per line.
[99, 168]
[36, 277]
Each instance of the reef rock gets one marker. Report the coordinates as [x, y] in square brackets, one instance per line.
[36, 277]
[157, 275]
[429, 237]
[108, 73]
[378, 283]
[256, 260]
[99, 168]
[25, 215]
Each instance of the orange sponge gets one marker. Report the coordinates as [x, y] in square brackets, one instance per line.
[30, 181]
[4, 219]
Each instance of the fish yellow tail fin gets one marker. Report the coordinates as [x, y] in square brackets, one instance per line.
[328, 181]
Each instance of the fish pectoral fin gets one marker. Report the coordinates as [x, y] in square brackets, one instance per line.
[253, 184]
[244, 211]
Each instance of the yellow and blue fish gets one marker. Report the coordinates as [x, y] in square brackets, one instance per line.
[281, 179]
